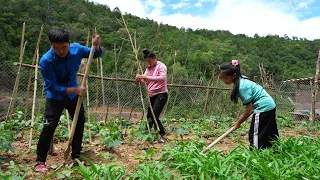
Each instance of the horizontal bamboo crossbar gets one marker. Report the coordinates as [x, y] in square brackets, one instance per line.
[129, 80]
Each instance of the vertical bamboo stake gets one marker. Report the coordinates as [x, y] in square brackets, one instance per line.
[41, 98]
[34, 97]
[88, 97]
[207, 94]
[30, 74]
[102, 88]
[16, 84]
[315, 92]
[169, 94]
[175, 98]
[116, 70]
[141, 71]
[97, 86]
[212, 97]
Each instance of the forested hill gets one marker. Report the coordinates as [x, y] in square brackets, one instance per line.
[197, 51]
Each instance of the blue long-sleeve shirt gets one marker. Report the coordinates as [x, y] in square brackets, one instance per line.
[60, 73]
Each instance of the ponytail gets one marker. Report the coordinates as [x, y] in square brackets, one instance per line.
[230, 69]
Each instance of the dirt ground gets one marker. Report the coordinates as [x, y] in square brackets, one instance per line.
[126, 154]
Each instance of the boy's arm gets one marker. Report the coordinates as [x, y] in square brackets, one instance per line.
[49, 76]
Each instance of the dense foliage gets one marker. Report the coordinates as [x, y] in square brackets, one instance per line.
[197, 50]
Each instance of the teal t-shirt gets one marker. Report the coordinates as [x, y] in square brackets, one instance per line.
[250, 91]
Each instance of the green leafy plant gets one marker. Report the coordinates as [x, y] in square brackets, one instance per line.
[111, 137]
[15, 172]
[99, 171]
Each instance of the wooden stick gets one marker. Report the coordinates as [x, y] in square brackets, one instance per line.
[102, 89]
[34, 97]
[88, 105]
[213, 95]
[169, 94]
[88, 97]
[315, 92]
[97, 86]
[141, 71]
[175, 99]
[76, 113]
[133, 80]
[41, 98]
[217, 140]
[207, 94]
[30, 74]
[116, 70]
[16, 84]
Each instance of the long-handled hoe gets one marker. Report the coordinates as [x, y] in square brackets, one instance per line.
[76, 113]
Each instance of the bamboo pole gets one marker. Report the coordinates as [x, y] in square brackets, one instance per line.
[30, 74]
[315, 92]
[175, 98]
[102, 89]
[213, 95]
[116, 70]
[41, 98]
[169, 94]
[207, 94]
[97, 86]
[132, 80]
[79, 102]
[34, 97]
[88, 96]
[16, 84]
[141, 71]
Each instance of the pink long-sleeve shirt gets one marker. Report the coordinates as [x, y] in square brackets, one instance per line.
[156, 79]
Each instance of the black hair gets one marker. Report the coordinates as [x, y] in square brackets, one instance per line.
[148, 54]
[58, 35]
[229, 69]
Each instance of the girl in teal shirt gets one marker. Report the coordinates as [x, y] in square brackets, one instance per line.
[263, 129]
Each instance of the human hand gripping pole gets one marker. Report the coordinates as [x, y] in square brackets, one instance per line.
[76, 113]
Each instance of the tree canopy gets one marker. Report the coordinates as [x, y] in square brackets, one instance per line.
[191, 53]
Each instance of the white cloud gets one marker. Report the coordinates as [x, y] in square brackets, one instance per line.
[238, 16]
[181, 4]
[305, 4]
[198, 4]
[135, 7]
[158, 4]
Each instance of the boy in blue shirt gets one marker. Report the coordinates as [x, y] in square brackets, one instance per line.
[59, 68]
[263, 129]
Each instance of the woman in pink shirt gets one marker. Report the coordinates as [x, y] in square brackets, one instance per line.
[155, 77]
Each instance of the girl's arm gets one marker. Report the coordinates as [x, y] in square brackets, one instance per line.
[246, 113]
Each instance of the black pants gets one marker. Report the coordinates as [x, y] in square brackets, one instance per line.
[263, 129]
[53, 112]
[157, 102]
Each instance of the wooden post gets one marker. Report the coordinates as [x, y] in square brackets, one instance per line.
[315, 92]
[30, 74]
[207, 94]
[34, 96]
[97, 86]
[117, 84]
[102, 90]
[140, 69]
[16, 84]
[175, 98]
[169, 94]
